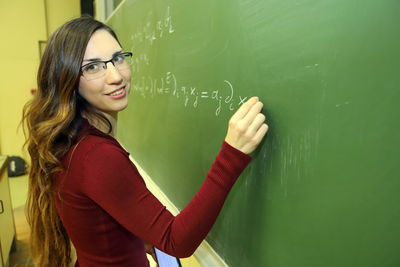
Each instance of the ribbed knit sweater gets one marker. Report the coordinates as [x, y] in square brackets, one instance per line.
[109, 213]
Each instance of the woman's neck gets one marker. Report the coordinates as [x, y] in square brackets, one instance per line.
[99, 124]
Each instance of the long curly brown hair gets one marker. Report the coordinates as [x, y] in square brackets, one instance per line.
[51, 122]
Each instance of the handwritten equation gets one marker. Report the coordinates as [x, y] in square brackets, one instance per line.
[145, 37]
[153, 29]
[140, 61]
[223, 96]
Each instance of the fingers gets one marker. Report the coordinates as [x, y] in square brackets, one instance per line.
[244, 109]
[246, 127]
[252, 114]
[257, 128]
[256, 123]
[261, 132]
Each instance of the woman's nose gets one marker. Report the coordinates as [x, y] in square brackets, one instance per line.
[112, 74]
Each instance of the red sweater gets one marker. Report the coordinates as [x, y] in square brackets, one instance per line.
[109, 213]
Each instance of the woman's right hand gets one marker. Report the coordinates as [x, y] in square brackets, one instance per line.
[246, 127]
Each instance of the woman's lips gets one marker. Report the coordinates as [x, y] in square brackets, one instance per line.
[119, 93]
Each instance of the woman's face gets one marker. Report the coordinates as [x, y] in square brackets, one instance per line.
[109, 92]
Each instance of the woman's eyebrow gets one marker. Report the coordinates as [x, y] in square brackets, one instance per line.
[99, 59]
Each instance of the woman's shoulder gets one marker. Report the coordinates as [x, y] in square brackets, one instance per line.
[94, 144]
[99, 145]
[90, 138]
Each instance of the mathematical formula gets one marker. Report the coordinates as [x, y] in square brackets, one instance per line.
[145, 36]
[153, 29]
[223, 96]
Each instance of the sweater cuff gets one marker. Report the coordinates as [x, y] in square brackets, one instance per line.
[239, 153]
[237, 160]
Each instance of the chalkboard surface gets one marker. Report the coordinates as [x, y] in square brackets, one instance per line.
[324, 187]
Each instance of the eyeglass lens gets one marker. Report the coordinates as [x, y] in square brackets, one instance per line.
[97, 69]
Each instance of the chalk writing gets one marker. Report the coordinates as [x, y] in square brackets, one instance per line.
[139, 61]
[223, 96]
[153, 29]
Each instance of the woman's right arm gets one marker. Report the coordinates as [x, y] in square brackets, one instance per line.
[113, 182]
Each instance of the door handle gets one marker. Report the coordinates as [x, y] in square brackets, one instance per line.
[1, 207]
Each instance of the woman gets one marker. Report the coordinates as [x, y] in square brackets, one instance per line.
[83, 186]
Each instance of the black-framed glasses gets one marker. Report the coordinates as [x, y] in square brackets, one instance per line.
[97, 69]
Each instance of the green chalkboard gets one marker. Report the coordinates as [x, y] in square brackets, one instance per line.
[324, 187]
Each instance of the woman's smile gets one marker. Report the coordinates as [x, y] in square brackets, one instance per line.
[118, 93]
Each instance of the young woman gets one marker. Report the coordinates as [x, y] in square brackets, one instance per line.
[83, 187]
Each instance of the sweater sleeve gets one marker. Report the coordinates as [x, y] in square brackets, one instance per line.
[112, 181]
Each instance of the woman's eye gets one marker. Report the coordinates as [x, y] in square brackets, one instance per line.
[92, 68]
[118, 59]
